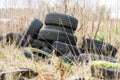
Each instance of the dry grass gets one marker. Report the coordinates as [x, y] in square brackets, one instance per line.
[91, 24]
[13, 58]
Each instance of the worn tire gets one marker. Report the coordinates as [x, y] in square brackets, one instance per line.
[31, 40]
[18, 73]
[46, 49]
[61, 20]
[33, 28]
[63, 48]
[93, 57]
[38, 44]
[16, 38]
[59, 28]
[99, 47]
[52, 35]
[28, 54]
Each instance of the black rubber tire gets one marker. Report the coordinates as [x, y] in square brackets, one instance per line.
[46, 49]
[99, 47]
[52, 35]
[20, 72]
[61, 20]
[63, 48]
[39, 44]
[59, 28]
[87, 57]
[15, 37]
[31, 40]
[102, 73]
[28, 54]
[33, 28]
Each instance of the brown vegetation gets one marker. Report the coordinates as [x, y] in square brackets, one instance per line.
[92, 24]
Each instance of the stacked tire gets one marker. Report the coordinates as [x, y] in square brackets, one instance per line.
[32, 31]
[58, 33]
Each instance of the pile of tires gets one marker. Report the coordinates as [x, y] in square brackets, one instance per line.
[58, 35]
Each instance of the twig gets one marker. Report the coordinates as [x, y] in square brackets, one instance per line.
[97, 29]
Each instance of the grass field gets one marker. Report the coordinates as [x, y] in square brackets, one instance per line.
[95, 24]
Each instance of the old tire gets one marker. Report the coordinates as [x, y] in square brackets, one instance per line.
[61, 20]
[93, 57]
[31, 40]
[52, 35]
[59, 28]
[18, 73]
[34, 28]
[63, 48]
[16, 38]
[99, 47]
[38, 44]
[28, 54]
